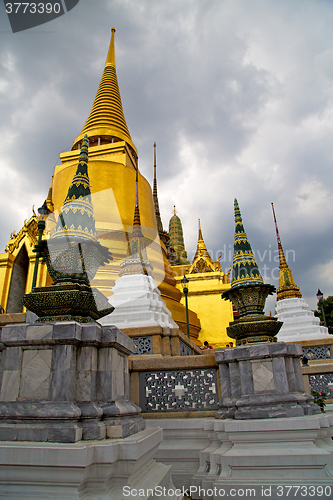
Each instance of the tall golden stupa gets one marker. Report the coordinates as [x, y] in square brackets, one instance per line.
[113, 164]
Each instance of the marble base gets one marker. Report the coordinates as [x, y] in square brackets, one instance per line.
[63, 382]
[137, 302]
[299, 322]
[95, 470]
[263, 381]
[268, 453]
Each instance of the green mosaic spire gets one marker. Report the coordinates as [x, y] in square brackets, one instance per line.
[177, 238]
[76, 219]
[245, 269]
[73, 255]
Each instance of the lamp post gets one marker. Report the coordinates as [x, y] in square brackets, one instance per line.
[43, 212]
[320, 297]
[184, 282]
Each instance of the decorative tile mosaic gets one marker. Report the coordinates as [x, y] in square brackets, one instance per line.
[179, 390]
[185, 350]
[319, 382]
[318, 352]
[144, 345]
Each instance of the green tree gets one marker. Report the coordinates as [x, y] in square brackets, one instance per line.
[327, 305]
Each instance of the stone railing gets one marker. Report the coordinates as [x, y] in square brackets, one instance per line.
[318, 375]
[178, 386]
[161, 340]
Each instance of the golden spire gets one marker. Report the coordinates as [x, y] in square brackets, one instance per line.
[287, 287]
[137, 220]
[155, 197]
[200, 238]
[202, 262]
[111, 58]
[48, 200]
[106, 122]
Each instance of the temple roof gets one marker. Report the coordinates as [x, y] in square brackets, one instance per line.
[245, 268]
[287, 286]
[202, 262]
[106, 118]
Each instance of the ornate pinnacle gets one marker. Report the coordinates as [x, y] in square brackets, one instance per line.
[287, 286]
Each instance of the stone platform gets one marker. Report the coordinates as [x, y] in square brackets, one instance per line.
[210, 454]
[87, 470]
[67, 427]
[267, 453]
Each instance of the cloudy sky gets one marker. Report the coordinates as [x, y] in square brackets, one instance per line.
[237, 94]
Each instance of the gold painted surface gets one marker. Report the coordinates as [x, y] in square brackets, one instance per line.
[204, 298]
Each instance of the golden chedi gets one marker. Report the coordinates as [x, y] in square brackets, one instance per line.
[113, 165]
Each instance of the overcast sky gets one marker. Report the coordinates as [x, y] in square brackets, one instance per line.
[237, 94]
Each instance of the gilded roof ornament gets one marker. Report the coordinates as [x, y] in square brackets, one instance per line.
[287, 286]
[29, 229]
[202, 262]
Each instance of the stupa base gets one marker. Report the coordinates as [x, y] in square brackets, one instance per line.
[254, 329]
[67, 302]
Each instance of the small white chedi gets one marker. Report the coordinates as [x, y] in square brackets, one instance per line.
[138, 302]
[299, 322]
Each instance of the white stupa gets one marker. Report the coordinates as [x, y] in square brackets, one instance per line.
[137, 302]
[299, 322]
[136, 297]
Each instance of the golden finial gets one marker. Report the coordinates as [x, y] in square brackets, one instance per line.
[111, 58]
[200, 232]
[174, 210]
